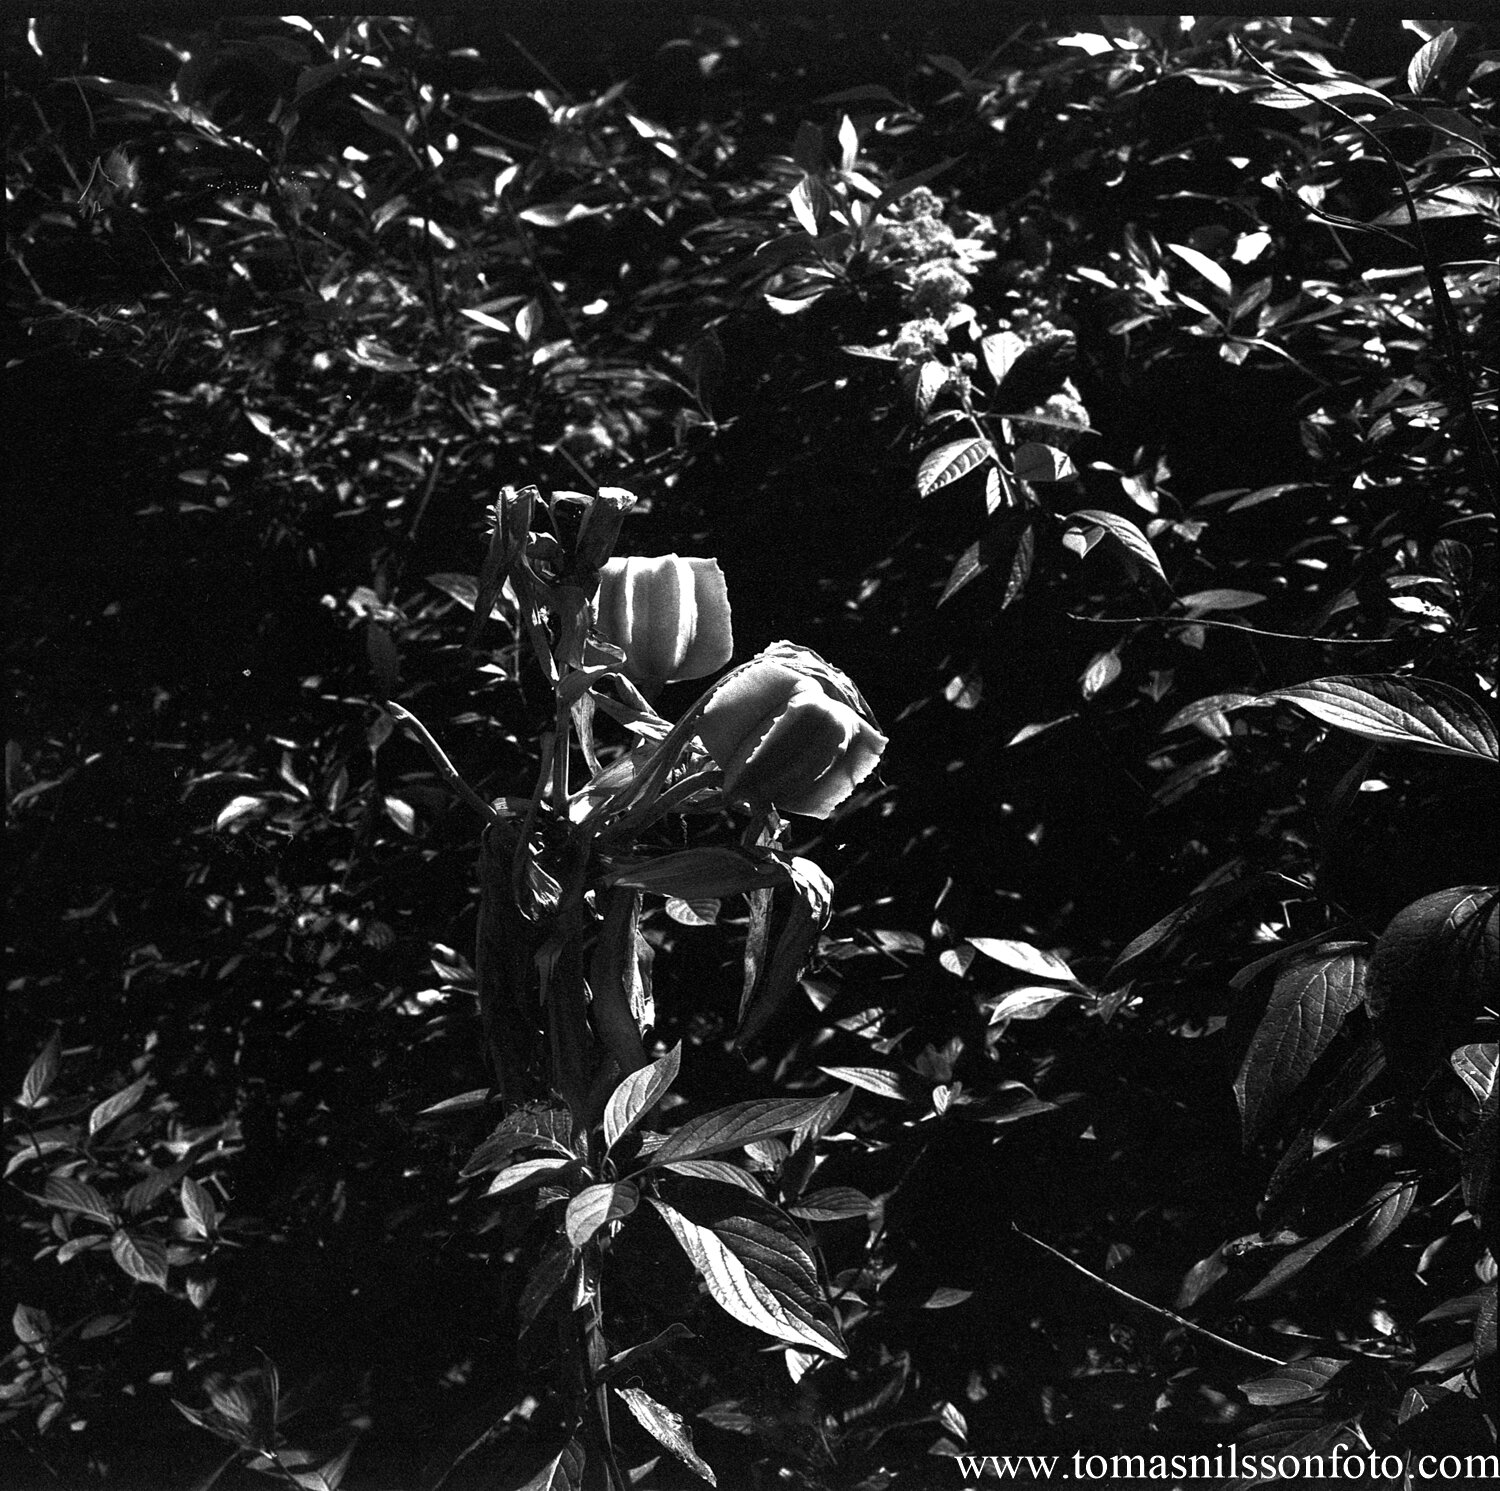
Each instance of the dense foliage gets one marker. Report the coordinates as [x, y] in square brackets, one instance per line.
[1113, 403]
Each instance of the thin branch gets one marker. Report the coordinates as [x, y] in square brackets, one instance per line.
[1232, 626]
[1145, 1304]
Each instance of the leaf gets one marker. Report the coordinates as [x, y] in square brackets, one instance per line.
[1130, 538]
[526, 1128]
[239, 810]
[545, 1280]
[31, 1324]
[882, 1083]
[595, 1207]
[1103, 669]
[944, 1298]
[143, 1258]
[723, 1171]
[703, 912]
[1387, 1217]
[832, 1204]
[666, 1427]
[1308, 1004]
[1429, 60]
[1020, 569]
[1201, 601]
[1023, 957]
[754, 1262]
[622, 1360]
[709, 872]
[1476, 1065]
[1201, 907]
[198, 1206]
[1001, 349]
[733, 1127]
[1300, 1258]
[41, 1074]
[1294, 1382]
[971, 564]
[402, 814]
[564, 1472]
[639, 1093]
[465, 1102]
[1417, 712]
[1210, 713]
[78, 1195]
[949, 462]
[1036, 462]
[1029, 1003]
[526, 1175]
[112, 1107]
[1212, 271]
[956, 960]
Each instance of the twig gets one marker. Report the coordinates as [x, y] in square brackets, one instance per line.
[1232, 626]
[1145, 1304]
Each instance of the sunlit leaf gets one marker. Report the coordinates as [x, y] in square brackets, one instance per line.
[639, 1093]
[733, 1127]
[1417, 712]
[949, 462]
[1023, 957]
[665, 1426]
[595, 1207]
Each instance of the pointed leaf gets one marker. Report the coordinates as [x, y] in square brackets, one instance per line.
[1294, 1382]
[882, 1083]
[735, 1126]
[465, 1102]
[199, 1208]
[1023, 957]
[1030, 1003]
[755, 1263]
[638, 1094]
[949, 462]
[1001, 350]
[142, 1257]
[1212, 271]
[31, 1324]
[1429, 59]
[239, 809]
[1308, 1004]
[665, 1426]
[722, 1171]
[564, 1472]
[595, 1207]
[1476, 1065]
[78, 1195]
[112, 1107]
[971, 563]
[526, 1175]
[1418, 712]
[832, 1204]
[1036, 462]
[1130, 538]
[526, 1128]
[41, 1073]
[545, 1280]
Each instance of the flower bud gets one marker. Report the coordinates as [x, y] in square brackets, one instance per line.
[670, 615]
[790, 732]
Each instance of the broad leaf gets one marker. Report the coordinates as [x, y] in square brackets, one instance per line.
[1417, 712]
[1030, 1003]
[735, 1126]
[1476, 1065]
[527, 1175]
[755, 1263]
[545, 1280]
[41, 1073]
[31, 1324]
[970, 564]
[951, 461]
[198, 1206]
[832, 1204]
[667, 1428]
[78, 1195]
[1429, 59]
[143, 1258]
[638, 1094]
[112, 1107]
[1036, 462]
[526, 1128]
[1085, 527]
[1202, 601]
[1294, 1382]
[723, 1171]
[595, 1207]
[465, 1102]
[1309, 1003]
[882, 1083]
[564, 1472]
[1023, 957]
